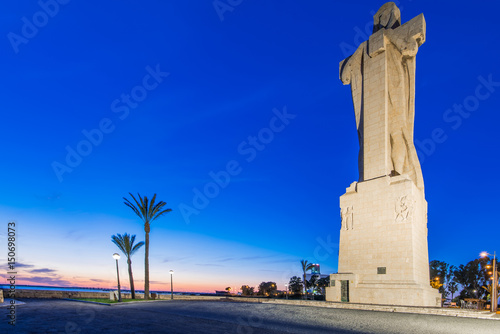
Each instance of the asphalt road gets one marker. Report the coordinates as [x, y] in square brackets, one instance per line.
[60, 316]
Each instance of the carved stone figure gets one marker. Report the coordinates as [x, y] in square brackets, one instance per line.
[382, 77]
[346, 214]
[404, 209]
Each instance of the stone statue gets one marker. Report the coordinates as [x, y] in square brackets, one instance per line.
[381, 73]
[388, 203]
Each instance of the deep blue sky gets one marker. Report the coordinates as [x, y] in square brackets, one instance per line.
[225, 78]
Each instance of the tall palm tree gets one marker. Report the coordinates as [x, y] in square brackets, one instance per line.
[148, 211]
[305, 267]
[126, 244]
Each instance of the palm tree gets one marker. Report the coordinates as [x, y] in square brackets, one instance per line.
[126, 244]
[148, 212]
[305, 267]
[452, 287]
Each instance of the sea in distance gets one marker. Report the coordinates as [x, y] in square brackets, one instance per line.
[83, 289]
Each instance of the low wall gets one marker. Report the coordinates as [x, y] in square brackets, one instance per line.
[26, 293]
[54, 294]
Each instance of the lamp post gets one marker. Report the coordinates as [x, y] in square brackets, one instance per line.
[494, 283]
[286, 292]
[116, 256]
[171, 284]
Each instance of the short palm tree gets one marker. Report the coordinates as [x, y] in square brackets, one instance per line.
[148, 211]
[126, 244]
[305, 267]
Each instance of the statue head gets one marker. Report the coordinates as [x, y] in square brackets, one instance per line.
[387, 17]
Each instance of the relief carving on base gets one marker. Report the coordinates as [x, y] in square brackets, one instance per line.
[346, 215]
[404, 209]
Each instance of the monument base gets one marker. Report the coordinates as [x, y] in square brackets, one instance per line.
[383, 255]
[383, 294]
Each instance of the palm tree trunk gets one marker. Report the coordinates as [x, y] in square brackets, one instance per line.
[146, 265]
[131, 277]
[305, 286]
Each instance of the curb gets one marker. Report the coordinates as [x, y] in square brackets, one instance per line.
[86, 301]
[399, 309]
[6, 302]
[112, 304]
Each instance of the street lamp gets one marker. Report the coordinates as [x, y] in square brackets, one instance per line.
[494, 283]
[286, 292]
[171, 284]
[116, 256]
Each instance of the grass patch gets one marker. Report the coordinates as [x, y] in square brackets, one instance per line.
[106, 300]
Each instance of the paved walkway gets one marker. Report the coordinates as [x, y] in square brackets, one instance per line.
[196, 316]
[453, 312]
[6, 302]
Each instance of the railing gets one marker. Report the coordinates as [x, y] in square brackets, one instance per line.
[469, 305]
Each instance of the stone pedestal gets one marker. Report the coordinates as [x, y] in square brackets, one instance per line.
[113, 295]
[383, 245]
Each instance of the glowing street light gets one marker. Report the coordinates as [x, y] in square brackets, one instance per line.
[116, 256]
[171, 284]
[494, 283]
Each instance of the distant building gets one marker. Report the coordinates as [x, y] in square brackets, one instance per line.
[315, 271]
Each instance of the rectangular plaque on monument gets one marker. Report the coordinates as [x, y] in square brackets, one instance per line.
[383, 252]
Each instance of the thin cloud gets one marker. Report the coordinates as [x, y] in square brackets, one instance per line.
[75, 235]
[209, 265]
[174, 259]
[50, 198]
[257, 257]
[282, 260]
[43, 270]
[23, 265]
[270, 270]
[47, 280]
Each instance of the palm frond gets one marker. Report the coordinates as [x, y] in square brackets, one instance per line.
[159, 214]
[118, 241]
[130, 205]
[144, 204]
[306, 265]
[136, 247]
[152, 206]
[147, 209]
[125, 243]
